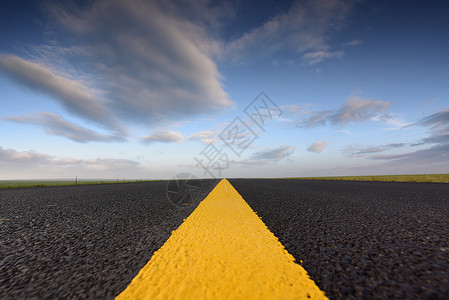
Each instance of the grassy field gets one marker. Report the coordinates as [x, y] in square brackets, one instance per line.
[39, 183]
[397, 178]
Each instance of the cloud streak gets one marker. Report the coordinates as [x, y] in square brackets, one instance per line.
[163, 136]
[317, 147]
[56, 125]
[312, 58]
[31, 156]
[128, 63]
[74, 95]
[155, 63]
[352, 43]
[305, 27]
[205, 136]
[34, 158]
[438, 122]
[353, 109]
[437, 155]
[268, 156]
[358, 151]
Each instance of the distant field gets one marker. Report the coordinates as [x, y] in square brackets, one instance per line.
[39, 183]
[398, 178]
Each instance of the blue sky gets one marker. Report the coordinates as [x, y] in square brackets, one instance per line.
[149, 89]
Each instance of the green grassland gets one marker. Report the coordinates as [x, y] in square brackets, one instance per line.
[395, 178]
[39, 183]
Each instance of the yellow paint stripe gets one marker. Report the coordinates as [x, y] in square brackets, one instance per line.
[222, 251]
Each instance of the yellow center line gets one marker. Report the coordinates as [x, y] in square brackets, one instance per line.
[223, 250]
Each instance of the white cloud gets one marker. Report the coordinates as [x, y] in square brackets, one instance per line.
[345, 131]
[295, 109]
[129, 62]
[356, 109]
[318, 146]
[352, 43]
[107, 164]
[56, 125]
[436, 156]
[394, 121]
[315, 119]
[305, 27]
[273, 154]
[438, 122]
[353, 109]
[312, 58]
[268, 156]
[31, 156]
[75, 96]
[33, 159]
[205, 136]
[155, 63]
[360, 151]
[163, 136]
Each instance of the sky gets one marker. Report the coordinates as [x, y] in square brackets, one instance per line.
[151, 89]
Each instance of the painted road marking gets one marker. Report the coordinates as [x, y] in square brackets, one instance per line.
[223, 250]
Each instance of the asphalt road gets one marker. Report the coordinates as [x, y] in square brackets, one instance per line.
[361, 240]
[357, 240]
[81, 242]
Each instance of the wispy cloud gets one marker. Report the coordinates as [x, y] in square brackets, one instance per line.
[312, 58]
[205, 136]
[268, 156]
[156, 61]
[163, 136]
[360, 150]
[437, 139]
[318, 146]
[315, 119]
[273, 154]
[353, 109]
[356, 109]
[438, 122]
[393, 121]
[345, 131]
[305, 27]
[32, 158]
[439, 127]
[145, 62]
[105, 164]
[352, 43]
[437, 155]
[75, 96]
[295, 109]
[56, 125]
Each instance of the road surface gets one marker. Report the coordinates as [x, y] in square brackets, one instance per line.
[361, 240]
[355, 239]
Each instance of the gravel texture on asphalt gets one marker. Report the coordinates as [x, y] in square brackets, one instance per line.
[82, 242]
[360, 240]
